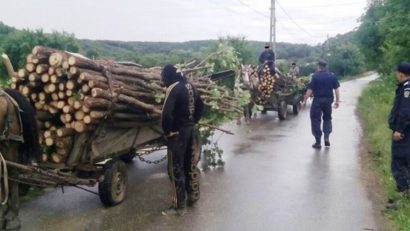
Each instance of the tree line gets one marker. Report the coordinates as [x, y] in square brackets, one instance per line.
[340, 51]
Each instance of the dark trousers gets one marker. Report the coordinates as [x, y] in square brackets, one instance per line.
[400, 164]
[183, 172]
[321, 109]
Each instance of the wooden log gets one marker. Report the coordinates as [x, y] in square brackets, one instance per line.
[54, 79]
[45, 78]
[68, 118]
[68, 109]
[98, 84]
[85, 109]
[61, 104]
[97, 103]
[44, 157]
[62, 118]
[42, 68]
[22, 73]
[71, 101]
[54, 96]
[77, 105]
[39, 59]
[61, 86]
[65, 141]
[33, 97]
[86, 76]
[69, 93]
[61, 95]
[43, 50]
[13, 86]
[29, 58]
[30, 67]
[33, 77]
[70, 85]
[26, 91]
[47, 124]
[84, 63]
[51, 87]
[85, 88]
[38, 106]
[98, 114]
[59, 71]
[79, 126]
[57, 158]
[9, 66]
[140, 104]
[49, 141]
[100, 93]
[56, 59]
[65, 65]
[42, 96]
[51, 70]
[62, 152]
[63, 132]
[79, 115]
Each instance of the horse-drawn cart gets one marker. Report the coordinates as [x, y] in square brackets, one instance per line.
[272, 91]
[96, 157]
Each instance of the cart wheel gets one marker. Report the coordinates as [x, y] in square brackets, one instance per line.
[112, 189]
[264, 111]
[282, 110]
[129, 157]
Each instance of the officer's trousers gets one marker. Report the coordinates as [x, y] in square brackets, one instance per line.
[400, 164]
[182, 166]
[321, 109]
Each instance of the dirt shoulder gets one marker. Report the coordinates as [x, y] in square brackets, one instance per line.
[374, 189]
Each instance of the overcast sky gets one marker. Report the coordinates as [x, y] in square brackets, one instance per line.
[298, 21]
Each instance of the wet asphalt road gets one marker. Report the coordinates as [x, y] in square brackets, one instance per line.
[273, 180]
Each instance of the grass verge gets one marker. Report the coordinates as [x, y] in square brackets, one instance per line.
[374, 108]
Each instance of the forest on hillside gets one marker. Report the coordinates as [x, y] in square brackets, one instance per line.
[341, 51]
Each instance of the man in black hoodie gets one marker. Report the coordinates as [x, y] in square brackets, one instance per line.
[182, 109]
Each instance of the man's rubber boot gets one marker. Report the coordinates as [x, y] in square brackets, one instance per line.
[316, 146]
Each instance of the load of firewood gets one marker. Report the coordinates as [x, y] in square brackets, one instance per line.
[274, 84]
[73, 94]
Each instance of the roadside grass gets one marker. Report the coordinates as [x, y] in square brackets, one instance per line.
[374, 107]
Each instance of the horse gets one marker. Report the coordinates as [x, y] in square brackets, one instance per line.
[19, 142]
[250, 79]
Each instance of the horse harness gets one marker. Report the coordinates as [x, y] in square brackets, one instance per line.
[5, 133]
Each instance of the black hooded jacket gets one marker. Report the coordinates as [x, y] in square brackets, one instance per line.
[183, 106]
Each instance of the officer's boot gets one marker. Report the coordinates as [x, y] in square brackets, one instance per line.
[327, 142]
[317, 144]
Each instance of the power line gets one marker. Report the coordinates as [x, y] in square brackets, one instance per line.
[301, 28]
[255, 10]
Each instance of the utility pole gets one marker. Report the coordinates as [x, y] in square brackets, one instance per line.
[272, 34]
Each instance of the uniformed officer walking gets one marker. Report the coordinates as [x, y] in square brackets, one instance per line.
[399, 123]
[182, 109]
[321, 86]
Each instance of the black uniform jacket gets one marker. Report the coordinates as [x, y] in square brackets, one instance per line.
[399, 119]
[183, 107]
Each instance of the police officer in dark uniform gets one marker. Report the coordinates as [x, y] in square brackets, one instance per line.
[182, 109]
[267, 57]
[321, 86]
[399, 123]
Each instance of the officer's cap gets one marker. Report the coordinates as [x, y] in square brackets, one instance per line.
[322, 63]
[404, 68]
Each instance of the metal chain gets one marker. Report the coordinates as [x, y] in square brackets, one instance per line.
[151, 150]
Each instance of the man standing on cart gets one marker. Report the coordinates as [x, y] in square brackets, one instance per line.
[182, 109]
[267, 57]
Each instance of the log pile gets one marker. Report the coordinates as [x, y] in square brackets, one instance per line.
[274, 84]
[73, 94]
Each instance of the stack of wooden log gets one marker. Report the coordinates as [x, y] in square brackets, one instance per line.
[273, 84]
[72, 94]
